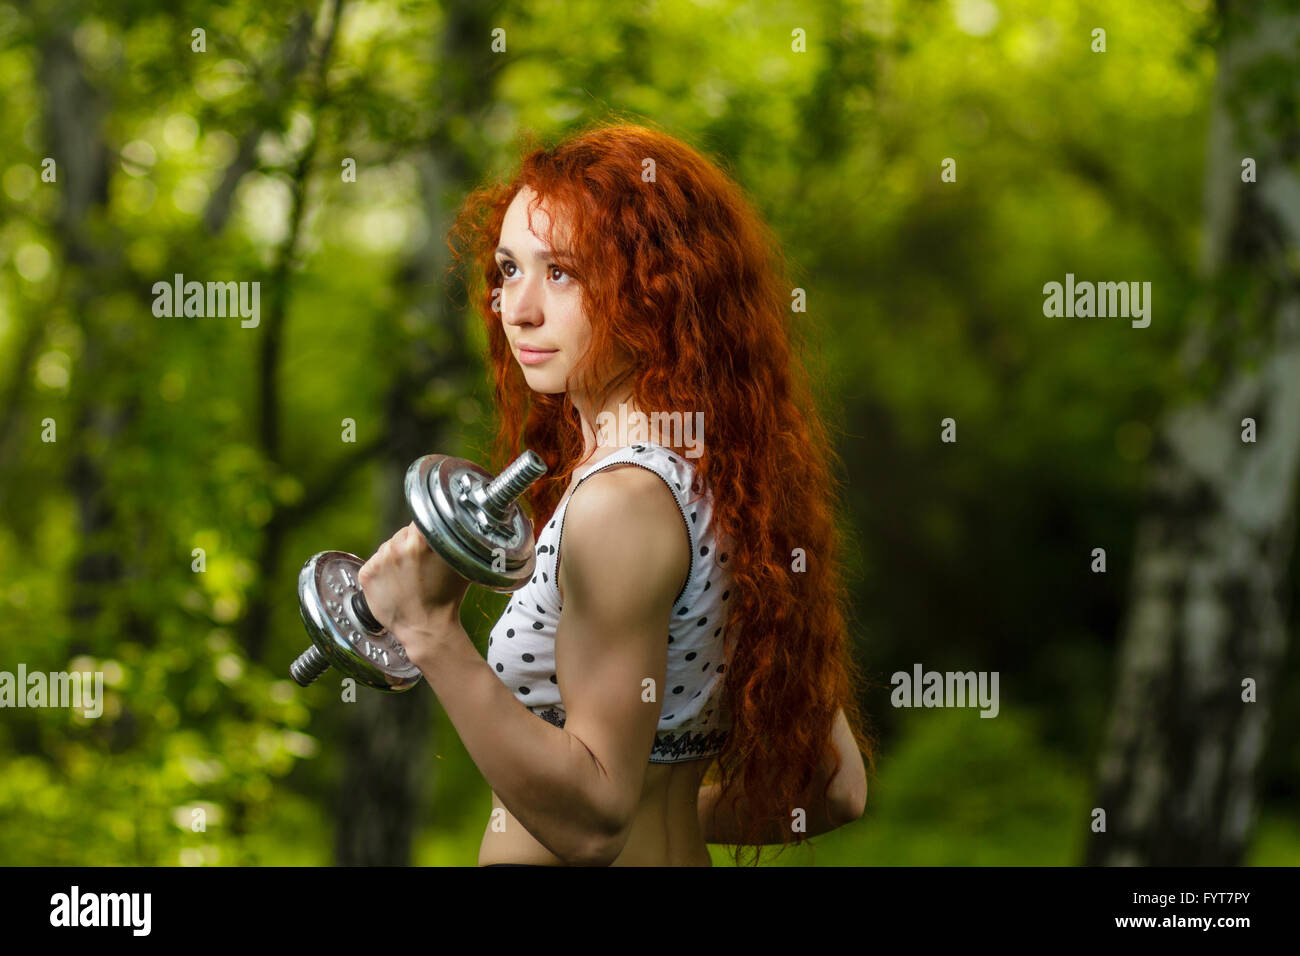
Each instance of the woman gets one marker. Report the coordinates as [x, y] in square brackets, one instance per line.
[637, 316]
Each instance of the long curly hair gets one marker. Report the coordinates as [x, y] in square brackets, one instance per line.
[676, 268]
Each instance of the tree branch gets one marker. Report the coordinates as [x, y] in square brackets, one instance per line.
[328, 487]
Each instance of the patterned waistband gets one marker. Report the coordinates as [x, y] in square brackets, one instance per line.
[670, 746]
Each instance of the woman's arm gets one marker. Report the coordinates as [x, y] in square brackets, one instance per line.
[844, 802]
[576, 789]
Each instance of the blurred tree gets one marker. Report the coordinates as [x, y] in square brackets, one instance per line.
[1210, 580]
[75, 114]
[383, 790]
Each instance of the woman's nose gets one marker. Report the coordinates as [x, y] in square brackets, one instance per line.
[520, 305]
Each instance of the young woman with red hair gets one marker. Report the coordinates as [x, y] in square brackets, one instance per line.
[639, 333]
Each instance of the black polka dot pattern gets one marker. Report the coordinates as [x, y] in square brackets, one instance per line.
[693, 727]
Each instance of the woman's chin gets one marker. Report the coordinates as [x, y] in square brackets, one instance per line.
[543, 384]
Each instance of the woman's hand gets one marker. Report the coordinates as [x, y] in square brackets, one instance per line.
[412, 591]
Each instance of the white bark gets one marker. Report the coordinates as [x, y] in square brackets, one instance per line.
[1209, 591]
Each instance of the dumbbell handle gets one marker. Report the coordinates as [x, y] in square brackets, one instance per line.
[363, 614]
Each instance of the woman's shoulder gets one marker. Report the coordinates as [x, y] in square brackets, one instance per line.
[618, 491]
[625, 516]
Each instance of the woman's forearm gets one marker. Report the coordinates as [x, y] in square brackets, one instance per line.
[545, 776]
[720, 823]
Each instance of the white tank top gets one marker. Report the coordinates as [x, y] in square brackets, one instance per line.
[693, 720]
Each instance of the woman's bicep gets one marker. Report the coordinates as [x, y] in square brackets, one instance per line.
[620, 572]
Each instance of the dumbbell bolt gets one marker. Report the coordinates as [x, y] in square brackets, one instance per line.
[310, 664]
[512, 483]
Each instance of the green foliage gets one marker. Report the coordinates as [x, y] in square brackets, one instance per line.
[957, 789]
[924, 302]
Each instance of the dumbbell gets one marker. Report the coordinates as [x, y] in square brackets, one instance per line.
[468, 517]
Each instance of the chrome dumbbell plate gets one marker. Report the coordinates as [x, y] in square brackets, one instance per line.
[326, 586]
[448, 498]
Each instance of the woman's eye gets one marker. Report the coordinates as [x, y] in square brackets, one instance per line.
[506, 263]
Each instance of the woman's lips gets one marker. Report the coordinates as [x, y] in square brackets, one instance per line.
[529, 357]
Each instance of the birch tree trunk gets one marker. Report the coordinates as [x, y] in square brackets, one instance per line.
[1204, 637]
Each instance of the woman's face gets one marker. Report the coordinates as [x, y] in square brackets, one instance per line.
[541, 305]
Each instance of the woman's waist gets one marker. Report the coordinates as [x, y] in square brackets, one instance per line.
[664, 826]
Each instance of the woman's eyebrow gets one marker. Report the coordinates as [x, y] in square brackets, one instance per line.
[545, 253]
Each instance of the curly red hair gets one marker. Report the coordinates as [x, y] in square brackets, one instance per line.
[682, 273]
